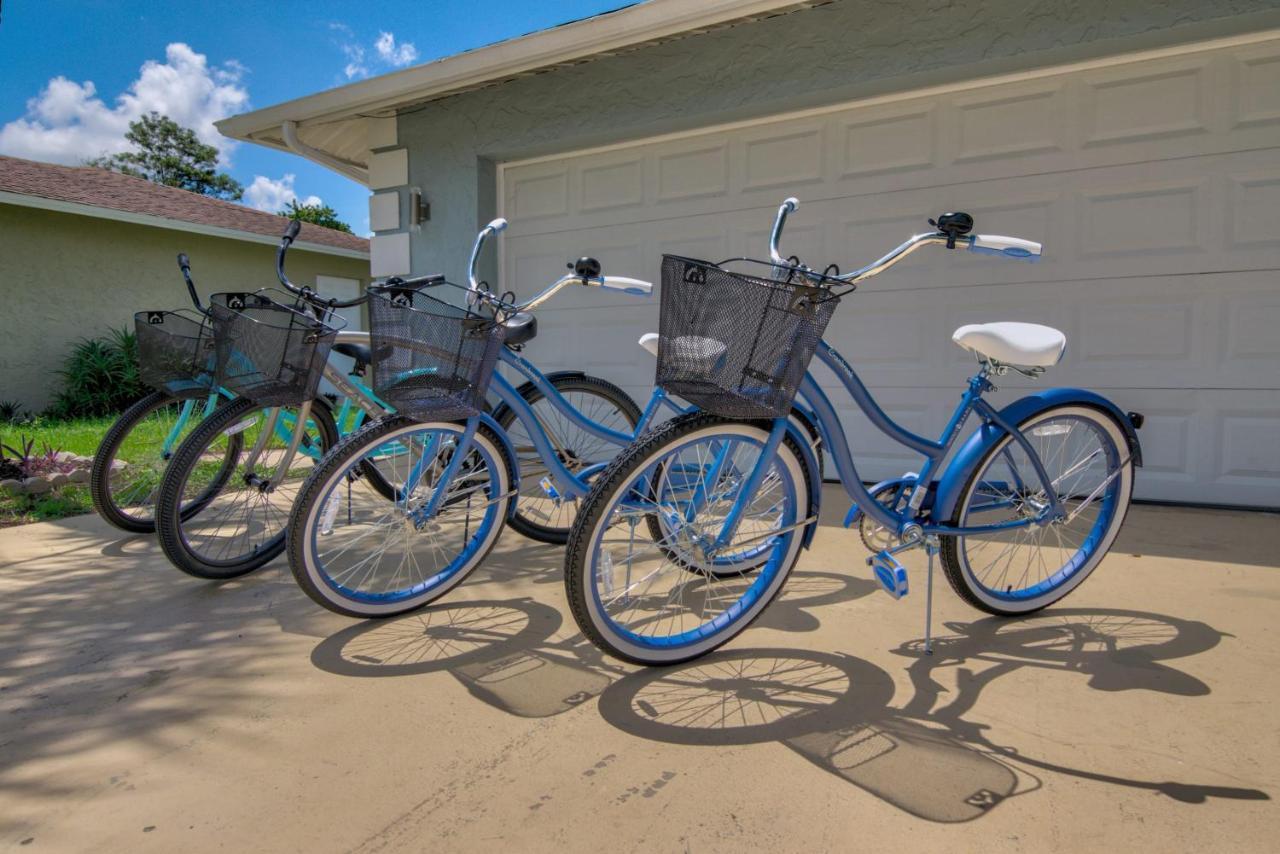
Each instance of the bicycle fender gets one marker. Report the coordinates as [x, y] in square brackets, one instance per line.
[488, 420]
[815, 485]
[967, 457]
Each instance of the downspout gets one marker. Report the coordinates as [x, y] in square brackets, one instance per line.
[354, 171]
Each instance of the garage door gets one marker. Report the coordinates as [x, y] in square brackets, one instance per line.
[1154, 184]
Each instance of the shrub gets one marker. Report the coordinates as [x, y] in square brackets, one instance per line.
[100, 377]
[11, 412]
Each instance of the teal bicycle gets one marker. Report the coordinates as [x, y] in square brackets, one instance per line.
[176, 358]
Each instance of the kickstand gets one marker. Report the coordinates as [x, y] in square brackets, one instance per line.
[931, 550]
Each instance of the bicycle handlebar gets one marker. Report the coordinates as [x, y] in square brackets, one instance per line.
[494, 227]
[184, 264]
[787, 207]
[585, 272]
[286, 240]
[987, 244]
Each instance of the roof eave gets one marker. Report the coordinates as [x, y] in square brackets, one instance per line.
[59, 205]
[623, 28]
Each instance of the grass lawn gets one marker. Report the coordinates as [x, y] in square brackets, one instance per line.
[77, 437]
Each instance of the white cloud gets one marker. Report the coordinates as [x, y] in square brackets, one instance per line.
[355, 66]
[393, 54]
[272, 196]
[363, 60]
[69, 123]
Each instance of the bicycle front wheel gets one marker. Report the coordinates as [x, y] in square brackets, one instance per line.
[242, 527]
[658, 595]
[1023, 569]
[132, 457]
[358, 553]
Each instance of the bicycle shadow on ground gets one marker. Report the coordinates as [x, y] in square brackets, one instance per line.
[505, 651]
[933, 763]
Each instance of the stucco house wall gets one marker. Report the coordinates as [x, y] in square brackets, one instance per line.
[843, 50]
[65, 276]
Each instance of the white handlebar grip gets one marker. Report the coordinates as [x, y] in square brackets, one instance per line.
[1012, 247]
[635, 287]
[499, 224]
[791, 204]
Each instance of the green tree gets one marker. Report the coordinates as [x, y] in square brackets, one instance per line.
[318, 214]
[170, 154]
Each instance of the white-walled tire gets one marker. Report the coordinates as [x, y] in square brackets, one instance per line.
[685, 626]
[1030, 568]
[409, 564]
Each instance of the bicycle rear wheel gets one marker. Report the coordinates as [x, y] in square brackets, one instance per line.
[540, 516]
[648, 599]
[242, 527]
[131, 459]
[1023, 569]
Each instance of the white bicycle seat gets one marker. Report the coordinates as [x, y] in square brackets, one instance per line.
[1027, 344]
[649, 341]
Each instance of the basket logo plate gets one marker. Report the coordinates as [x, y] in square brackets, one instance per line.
[155, 318]
[402, 299]
[236, 302]
[804, 300]
[695, 274]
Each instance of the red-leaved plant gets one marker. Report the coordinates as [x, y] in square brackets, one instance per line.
[23, 463]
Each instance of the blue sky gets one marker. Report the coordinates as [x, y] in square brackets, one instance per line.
[73, 73]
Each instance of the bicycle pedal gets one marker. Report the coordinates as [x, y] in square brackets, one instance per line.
[891, 574]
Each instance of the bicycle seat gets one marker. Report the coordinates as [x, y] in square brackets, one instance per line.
[521, 328]
[359, 352]
[1028, 344]
[649, 341]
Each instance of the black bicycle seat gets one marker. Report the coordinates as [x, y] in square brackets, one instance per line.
[522, 327]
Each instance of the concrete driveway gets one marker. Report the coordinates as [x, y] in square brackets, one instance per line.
[143, 710]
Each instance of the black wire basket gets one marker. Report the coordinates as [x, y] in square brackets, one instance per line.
[432, 361]
[271, 351]
[175, 350]
[737, 344]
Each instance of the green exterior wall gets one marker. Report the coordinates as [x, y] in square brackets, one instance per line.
[65, 276]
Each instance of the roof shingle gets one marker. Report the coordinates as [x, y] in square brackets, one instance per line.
[88, 185]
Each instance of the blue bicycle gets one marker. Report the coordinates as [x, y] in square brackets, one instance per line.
[1021, 512]
[460, 473]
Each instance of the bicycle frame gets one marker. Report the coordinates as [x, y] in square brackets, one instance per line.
[934, 452]
[561, 482]
[356, 396]
[566, 483]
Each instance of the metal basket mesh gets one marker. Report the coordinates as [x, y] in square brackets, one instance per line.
[432, 361]
[736, 344]
[271, 352]
[175, 350]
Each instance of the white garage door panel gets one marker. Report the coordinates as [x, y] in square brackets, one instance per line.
[1153, 184]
